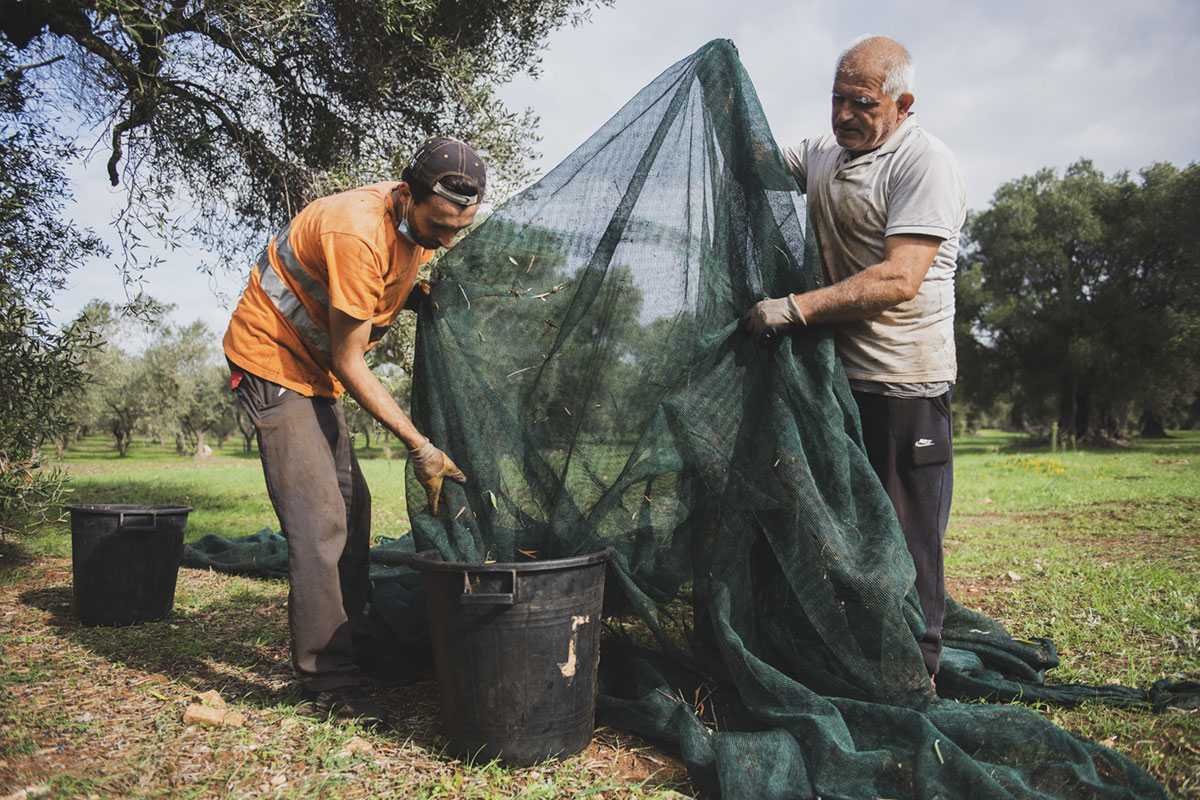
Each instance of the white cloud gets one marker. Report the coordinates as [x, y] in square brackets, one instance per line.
[1011, 87]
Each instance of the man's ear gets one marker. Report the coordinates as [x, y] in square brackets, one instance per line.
[405, 193]
[904, 102]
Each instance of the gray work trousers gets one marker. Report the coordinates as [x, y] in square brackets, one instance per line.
[908, 442]
[324, 510]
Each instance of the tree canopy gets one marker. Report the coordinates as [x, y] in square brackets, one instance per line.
[1080, 297]
[40, 365]
[254, 107]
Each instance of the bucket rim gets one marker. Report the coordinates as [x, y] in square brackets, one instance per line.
[128, 509]
[431, 560]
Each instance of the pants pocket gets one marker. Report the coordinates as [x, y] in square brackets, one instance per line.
[927, 452]
[260, 397]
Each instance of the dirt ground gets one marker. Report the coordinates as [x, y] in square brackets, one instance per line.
[94, 713]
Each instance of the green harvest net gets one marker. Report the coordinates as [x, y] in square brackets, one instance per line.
[583, 363]
[581, 360]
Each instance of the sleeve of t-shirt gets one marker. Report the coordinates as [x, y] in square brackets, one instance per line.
[355, 274]
[926, 195]
[797, 161]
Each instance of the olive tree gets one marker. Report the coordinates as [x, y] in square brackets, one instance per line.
[252, 108]
[41, 365]
[1083, 298]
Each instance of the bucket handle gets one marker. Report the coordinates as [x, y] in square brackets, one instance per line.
[123, 526]
[470, 598]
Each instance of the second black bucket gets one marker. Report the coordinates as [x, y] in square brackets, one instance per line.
[125, 560]
[516, 647]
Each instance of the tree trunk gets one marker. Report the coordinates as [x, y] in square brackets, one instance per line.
[202, 450]
[1113, 427]
[1081, 411]
[245, 426]
[1152, 426]
[1073, 415]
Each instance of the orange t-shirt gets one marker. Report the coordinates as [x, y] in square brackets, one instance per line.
[348, 244]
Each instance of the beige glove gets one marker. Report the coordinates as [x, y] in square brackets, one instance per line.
[432, 466]
[767, 314]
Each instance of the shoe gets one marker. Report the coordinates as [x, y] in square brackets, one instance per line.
[382, 668]
[343, 704]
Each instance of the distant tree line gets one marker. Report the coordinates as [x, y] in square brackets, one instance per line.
[146, 377]
[1079, 304]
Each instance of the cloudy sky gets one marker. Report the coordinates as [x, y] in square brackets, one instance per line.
[1011, 87]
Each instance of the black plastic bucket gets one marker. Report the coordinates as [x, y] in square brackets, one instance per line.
[516, 647]
[125, 559]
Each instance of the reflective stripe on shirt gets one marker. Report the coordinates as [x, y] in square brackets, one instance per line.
[285, 299]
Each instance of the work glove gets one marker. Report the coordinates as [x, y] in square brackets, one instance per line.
[432, 466]
[418, 294]
[769, 318]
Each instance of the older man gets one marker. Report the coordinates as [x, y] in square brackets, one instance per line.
[887, 201]
[325, 290]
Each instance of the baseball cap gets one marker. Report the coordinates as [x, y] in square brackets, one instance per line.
[442, 157]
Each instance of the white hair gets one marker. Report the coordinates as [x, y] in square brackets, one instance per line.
[898, 69]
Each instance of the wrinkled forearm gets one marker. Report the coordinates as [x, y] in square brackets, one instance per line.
[894, 280]
[350, 339]
[858, 297]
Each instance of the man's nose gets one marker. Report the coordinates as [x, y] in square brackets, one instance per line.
[842, 112]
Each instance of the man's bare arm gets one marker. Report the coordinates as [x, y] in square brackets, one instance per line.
[897, 278]
[350, 338]
[906, 260]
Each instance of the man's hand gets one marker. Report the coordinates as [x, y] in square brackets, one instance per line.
[768, 314]
[418, 294]
[432, 466]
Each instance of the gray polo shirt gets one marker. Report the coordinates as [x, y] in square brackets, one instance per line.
[909, 185]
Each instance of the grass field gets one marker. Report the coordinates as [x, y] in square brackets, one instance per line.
[1095, 549]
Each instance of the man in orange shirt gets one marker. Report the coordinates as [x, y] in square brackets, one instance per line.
[323, 293]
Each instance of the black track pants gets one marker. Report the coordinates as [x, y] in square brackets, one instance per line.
[908, 442]
[324, 510]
